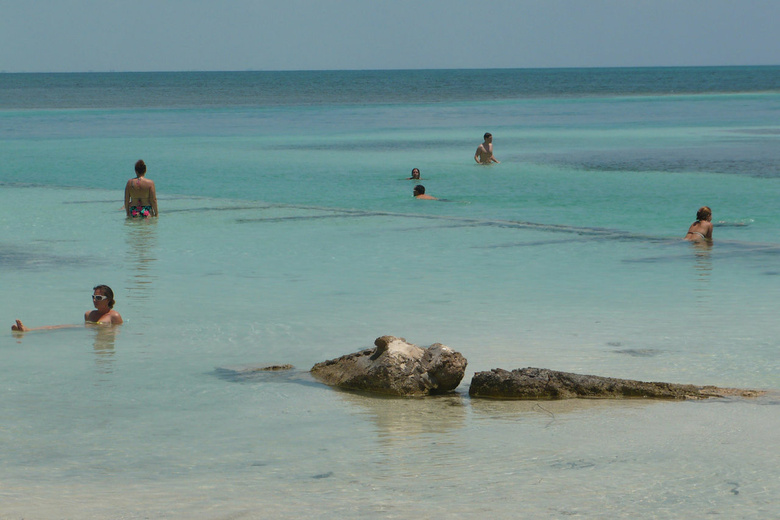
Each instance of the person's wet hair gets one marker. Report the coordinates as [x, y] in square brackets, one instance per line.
[140, 167]
[419, 189]
[487, 134]
[704, 213]
[106, 290]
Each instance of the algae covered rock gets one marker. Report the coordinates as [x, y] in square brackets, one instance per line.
[541, 383]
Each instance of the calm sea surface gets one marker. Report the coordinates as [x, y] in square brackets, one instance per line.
[288, 234]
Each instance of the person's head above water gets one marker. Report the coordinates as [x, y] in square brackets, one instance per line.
[704, 213]
[104, 290]
[419, 190]
[140, 168]
[487, 136]
[415, 173]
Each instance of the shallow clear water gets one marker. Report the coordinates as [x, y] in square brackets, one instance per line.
[288, 234]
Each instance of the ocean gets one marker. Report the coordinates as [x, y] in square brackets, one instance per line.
[288, 234]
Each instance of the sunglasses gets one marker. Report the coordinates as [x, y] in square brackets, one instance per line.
[99, 297]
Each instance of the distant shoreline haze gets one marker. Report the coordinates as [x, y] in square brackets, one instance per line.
[309, 88]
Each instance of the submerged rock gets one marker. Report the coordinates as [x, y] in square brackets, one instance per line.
[540, 383]
[395, 367]
[248, 369]
[247, 373]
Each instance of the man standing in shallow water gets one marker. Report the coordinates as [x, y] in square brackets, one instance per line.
[484, 153]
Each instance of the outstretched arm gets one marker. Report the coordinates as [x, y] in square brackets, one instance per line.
[19, 327]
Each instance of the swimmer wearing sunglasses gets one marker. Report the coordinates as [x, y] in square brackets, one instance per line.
[103, 314]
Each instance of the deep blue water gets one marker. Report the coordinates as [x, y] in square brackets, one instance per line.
[312, 88]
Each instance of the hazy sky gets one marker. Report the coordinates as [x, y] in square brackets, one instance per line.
[141, 35]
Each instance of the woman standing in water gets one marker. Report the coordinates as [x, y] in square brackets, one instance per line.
[103, 314]
[702, 228]
[140, 195]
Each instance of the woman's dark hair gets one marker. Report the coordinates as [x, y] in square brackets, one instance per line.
[140, 167]
[106, 290]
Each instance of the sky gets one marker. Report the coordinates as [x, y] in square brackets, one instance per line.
[176, 35]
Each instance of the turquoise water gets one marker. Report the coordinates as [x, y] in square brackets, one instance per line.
[288, 234]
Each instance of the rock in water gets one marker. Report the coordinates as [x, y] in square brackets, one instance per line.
[395, 367]
[540, 383]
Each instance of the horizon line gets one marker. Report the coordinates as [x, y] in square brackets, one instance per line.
[163, 71]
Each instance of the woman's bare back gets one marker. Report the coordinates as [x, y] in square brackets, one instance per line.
[140, 192]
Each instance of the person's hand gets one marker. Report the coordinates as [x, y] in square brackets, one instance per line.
[19, 327]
